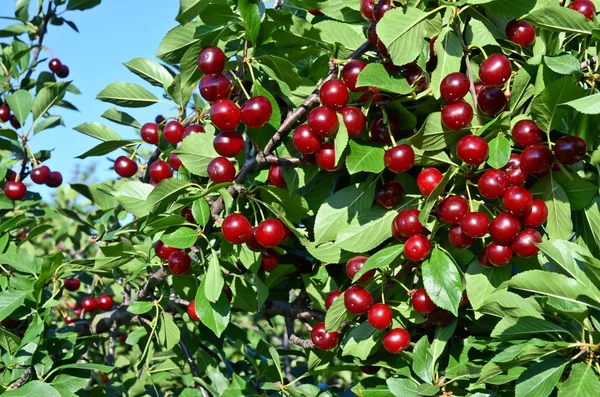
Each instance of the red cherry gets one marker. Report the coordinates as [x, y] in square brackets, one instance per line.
[63, 73]
[306, 141]
[491, 101]
[163, 251]
[123, 166]
[414, 75]
[322, 339]
[269, 259]
[428, 180]
[55, 65]
[417, 248]
[570, 149]
[105, 302]
[517, 200]
[380, 316]
[350, 74]
[229, 143]
[211, 60]
[366, 9]
[256, 112]
[396, 340]
[253, 243]
[4, 113]
[56, 179]
[69, 320]
[536, 159]
[495, 71]
[454, 87]
[492, 184]
[188, 215]
[380, 132]
[514, 172]
[179, 263]
[72, 284]
[406, 224]
[381, 8]
[225, 115]
[173, 132]
[15, 190]
[175, 161]
[483, 259]
[334, 94]
[504, 228]
[400, 158]
[325, 157]
[452, 209]
[41, 174]
[14, 122]
[526, 132]
[478, 87]
[270, 233]
[276, 176]
[214, 87]
[421, 302]
[149, 132]
[221, 170]
[459, 239]
[236, 229]
[498, 254]
[524, 246]
[89, 304]
[584, 7]
[331, 297]
[520, 33]
[457, 115]
[475, 224]
[537, 216]
[357, 300]
[354, 120]
[354, 265]
[193, 129]
[191, 310]
[389, 195]
[472, 149]
[323, 122]
[160, 170]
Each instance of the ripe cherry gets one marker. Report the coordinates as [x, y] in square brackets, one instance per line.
[159, 119]
[526, 132]
[193, 129]
[225, 115]
[354, 120]
[214, 87]
[457, 115]
[492, 184]
[472, 149]
[211, 60]
[175, 162]
[163, 251]
[406, 224]
[350, 74]
[459, 239]
[160, 170]
[483, 259]
[334, 94]
[72, 284]
[179, 263]
[14, 122]
[504, 228]
[524, 246]
[584, 7]
[173, 132]
[269, 259]
[55, 65]
[41, 174]
[325, 157]
[323, 122]
[331, 297]
[276, 176]
[454, 87]
[149, 133]
[428, 180]
[191, 310]
[89, 304]
[389, 195]
[514, 172]
[491, 101]
[188, 215]
[452, 209]
[357, 300]
[270, 233]
[495, 71]
[105, 302]
[380, 316]
[517, 200]
[253, 243]
[11, 176]
[221, 170]
[396, 340]
[381, 8]
[55, 180]
[228, 143]
[417, 248]
[123, 166]
[520, 33]
[354, 265]
[536, 159]
[498, 254]
[570, 149]
[63, 73]
[69, 320]
[421, 302]
[400, 158]
[475, 224]
[4, 113]
[322, 339]
[380, 132]
[537, 215]
[15, 190]
[256, 112]
[306, 141]
[236, 229]
[366, 9]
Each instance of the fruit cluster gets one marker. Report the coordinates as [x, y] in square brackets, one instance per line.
[15, 189]
[89, 304]
[59, 68]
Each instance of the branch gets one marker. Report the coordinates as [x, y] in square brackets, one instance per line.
[469, 71]
[274, 308]
[590, 62]
[42, 29]
[285, 161]
[193, 368]
[22, 379]
[294, 340]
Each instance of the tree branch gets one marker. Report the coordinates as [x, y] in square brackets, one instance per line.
[285, 161]
[590, 62]
[193, 368]
[469, 71]
[22, 379]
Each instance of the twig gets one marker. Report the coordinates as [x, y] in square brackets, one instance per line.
[272, 308]
[285, 161]
[469, 71]
[22, 379]
[193, 368]
[590, 62]
[42, 33]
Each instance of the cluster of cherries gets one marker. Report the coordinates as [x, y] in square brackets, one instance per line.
[59, 68]
[41, 175]
[89, 304]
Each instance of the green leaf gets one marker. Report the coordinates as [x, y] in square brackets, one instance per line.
[250, 18]
[362, 341]
[442, 281]
[559, 224]
[182, 238]
[545, 110]
[337, 314]
[127, 95]
[382, 258]
[511, 327]
[189, 9]
[163, 193]
[449, 52]
[499, 152]
[365, 157]
[214, 279]
[82, 4]
[341, 139]
[132, 195]
[98, 131]
[168, 333]
[122, 118]
[176, 42]
[563, 64]
[151, 71]
[213, 315]
[559, 19]
[67, 385]
[196, 152]
[478, 34]
[433, 135]
[180, 91]
[292, 205]
[483, 281]
[108, 147]
[582, 382]
[402, 387]
[402, 32]
[540, 379]
[10, 301]
[335, 32]
[586, 105]
[422, 360]
[48, 123]
[201, 211]
[442, 336]
[20, 103]
[579, 191]
[375, 75]
[46, 98]
[33, 388]
[140, 307]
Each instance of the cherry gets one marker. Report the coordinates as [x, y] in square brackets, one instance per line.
[526, 132]
[400, 158]
[452, 209]
[56, 179]
[4, 113]
[417, 248]
[160, 170]
[498, 254]
[457, 115]
[188, 215]
[381, 8]
[214, 87]
[520, 33]
[211, 60]
[123, 166]
[225, 115]
[193, 129]
[69, 320]
[504, 228]
[221, 170]
[63, 73]
[478, 87]
[15, 190]
[252, 243]
[421, 302]
[89, 304]
[495, 71]
[149, 133]
[524, 246]
[159, 119]
[331, 297]
[570, 149]
[310, 158]
[55, 65]
[276, 176]
[357, 300]
[72, 284]
[354, 120]
[175, 161]
[350, 74]
[316, 13]
[459, 239]
[325, 157]
[406, 224]
[41, 174]
[105, 302]
[517, 200]
[584, 7]
[323, 122]
[475, 224]
[14, 122]
[514, 172]
[11, 176]
[536, 159]
[179, 263]
[380, 132]
[454, 87]
[483, 259]
[389, 195]
[492, 184]
[366, 9]
[270, 233]
[428, 180]
[306, 141]
[334, 94]
[228, 143]
[163, 251]
[380, 316]
[256, 112]
[269, 259]
[236, 229]
[491, 100]
[472, 149]
[537, 215]
[414, 74]
[191, 310]
[354, 265]
[396, 340]
[173, 132]
[322, 339]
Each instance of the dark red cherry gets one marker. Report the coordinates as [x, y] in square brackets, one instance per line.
[472, 149]
[15, 190]
[517, 200]
[11, 176]
[504, 228]
[406, 224]
[225, 115]
[236, 229]
[524, 245]
[537, 216]
[334, 94]
[513, 170]
[526, 132]
[492, 184]
[350, 74]
[193, 129]
[536, 159]
[357, 300]
[41, 174]
[175, 161]
[454, 87]
[325, 157]
[380, 132]
[483, 259]
[491, 100]
[63, 73]
[89, 304]
[570, 149]
[221, 170]
[191, 310]
[55, 65]
[270, 233]
[149, 133]
[428, 180]
[256, 112]
[459, 239]
[188, 215]
[4, 113]
[306, 141]
[457, 115]
[163, 251]
[354, 265]
[323, 122]
[417, 248]
[160, 170]
[322, 339]
[214, 87]
[253, 243]
[475, 224]
[14, 122]
[123, 166]
[354, 120]
[389, 195]
[452, 209]
[498, 254]
[269, 258]
[105, 302]
[179, 263]
[584, 7]
[366, 9]
[495, 71]
[159, 119]
[173, 132]
[228, 143]
[396, 340]
[400, 158]
[421, 302]
[331, 297]
[520, 33]
[380, 316]
[72, 284]
[381, 8]
[276, 176]
[211, 60]
[55, 180]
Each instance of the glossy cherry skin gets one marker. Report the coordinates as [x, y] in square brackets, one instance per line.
[357, 300]
[491, 100]
[323, 122]
[269, 258]
[584, 7]
[350, 74]
[428, 180]
[452, 209]
[55, 180]
[400, 158]
[475, 224]
[191, 310]
[225, 115]
[11, 176]
[325, 157]
[334, 94]
[524, 246]
[536, 159]
[306, 141]
[124, 166]
[322, 339]
[228, 143]
[421, 302]
[457, 115]
[211, 60]
[173, 132]
[269, 233]
[149, 133]
[55, 65]
[495, 71]
[526, 132]
[63, 73]
[570, 149]
[472, 149]
[366, 9]
[417, 248]
[517, 200]
[331, 297]
[498, 254]
[379, 131]
[354, 120]
[389, 195]
[492, 184]
[89, 304]
[71, 284]
[454, 87]
[14, 122]
[163, 251]
[160, 170]
[193, 129]
[380, 316]
[236, 229]
[514, 172]
[354, 265]
[504, 228]
[213, 87]
[105, 302]
[406, 224]
[396, 340]
[15, 190]
[175, 162]
[4, 113]
[221, 170]
[159, 119]
[459, 239]
[256, 112]
[253, 243]
[520, 33]
[41, 174]
[276, 176]
[537, 216]
[179, 263]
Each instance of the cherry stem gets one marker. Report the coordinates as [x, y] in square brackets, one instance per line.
[387, 123]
